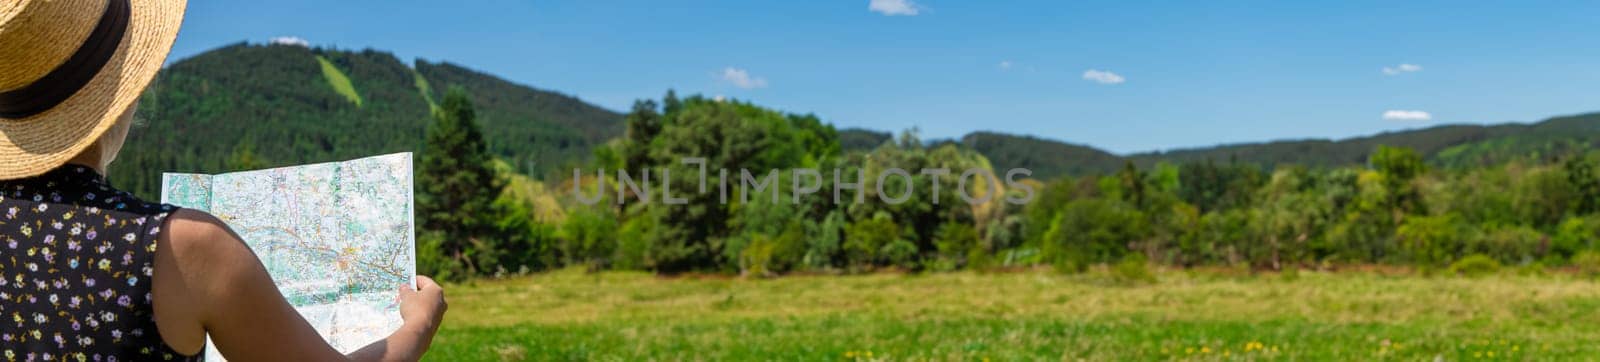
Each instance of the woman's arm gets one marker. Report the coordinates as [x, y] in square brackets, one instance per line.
[229, 293]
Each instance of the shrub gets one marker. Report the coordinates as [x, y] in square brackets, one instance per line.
[1475, 265]
[1134, 268]
[634, 241]
[900, 253]
[822, 241]
[756, 259]
[1095, 230]
[431, 259]
[866, 241]
[1532, 269]
[1508, 244]
[588, 236]
[1430, 239]
[764, 255]
[955, 241]
[1587, 262]
[1576, 234]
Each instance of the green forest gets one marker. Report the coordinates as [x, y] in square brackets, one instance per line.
[497, 196]
[1394, 208]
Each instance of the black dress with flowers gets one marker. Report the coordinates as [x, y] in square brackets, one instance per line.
[76, 259]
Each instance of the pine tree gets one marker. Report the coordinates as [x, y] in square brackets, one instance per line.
[670, 103]
[643, 125]
[459, 187]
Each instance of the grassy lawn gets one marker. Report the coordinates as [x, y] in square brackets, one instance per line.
[1035, 315]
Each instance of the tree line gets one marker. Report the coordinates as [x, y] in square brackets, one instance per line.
[481, 218]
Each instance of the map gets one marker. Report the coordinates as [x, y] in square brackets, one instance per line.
[338, 238]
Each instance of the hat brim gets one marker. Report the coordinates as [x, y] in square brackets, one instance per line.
[40, 143]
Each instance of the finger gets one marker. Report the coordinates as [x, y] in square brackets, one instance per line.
[424, 282]
[405, 290]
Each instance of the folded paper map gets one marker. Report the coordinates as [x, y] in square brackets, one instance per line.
[338, 238]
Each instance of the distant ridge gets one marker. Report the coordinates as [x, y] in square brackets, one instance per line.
[1046, 158]
[1449, 146]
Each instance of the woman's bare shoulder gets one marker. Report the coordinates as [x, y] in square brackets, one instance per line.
[202, 242]
[194, 230]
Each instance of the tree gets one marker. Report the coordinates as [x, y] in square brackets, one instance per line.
[643, 125]
[1094, 231]
[244, 158]
[1132, 182]
[1580, 172]
[873, 241]
[727, 135]
[1212, 187]
[1399, 166]
[458, 189]
[670, 103]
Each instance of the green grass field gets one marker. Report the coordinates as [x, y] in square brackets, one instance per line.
[1032, 315]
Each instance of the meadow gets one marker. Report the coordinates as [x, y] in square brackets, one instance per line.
[1214, 314]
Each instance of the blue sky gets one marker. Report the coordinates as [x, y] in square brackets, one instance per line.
[1126, 76]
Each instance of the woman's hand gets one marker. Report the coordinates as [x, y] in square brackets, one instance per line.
[422, 308]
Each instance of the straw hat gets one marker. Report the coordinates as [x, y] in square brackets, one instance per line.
[69, 69]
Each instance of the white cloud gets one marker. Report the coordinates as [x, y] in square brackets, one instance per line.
[1402, 68]
[894, 7]
[1404, 115]
[742, 79]
[1004, 65]
[1102, 77]
[291, 41]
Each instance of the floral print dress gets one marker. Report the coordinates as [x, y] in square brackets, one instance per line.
[76, 260]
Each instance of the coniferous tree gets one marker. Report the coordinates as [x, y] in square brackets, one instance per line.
[643, 124]
[670, 103]
[459, 187]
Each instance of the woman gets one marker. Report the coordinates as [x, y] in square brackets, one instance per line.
[89, 273]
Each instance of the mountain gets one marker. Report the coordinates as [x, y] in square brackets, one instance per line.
[1046, 158]
[1449, 146]
[249, 106]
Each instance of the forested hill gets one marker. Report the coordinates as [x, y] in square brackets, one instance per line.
[250, 106]
[1046, 158]
[1449, 146]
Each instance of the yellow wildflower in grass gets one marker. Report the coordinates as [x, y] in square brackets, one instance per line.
[1205, 349]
